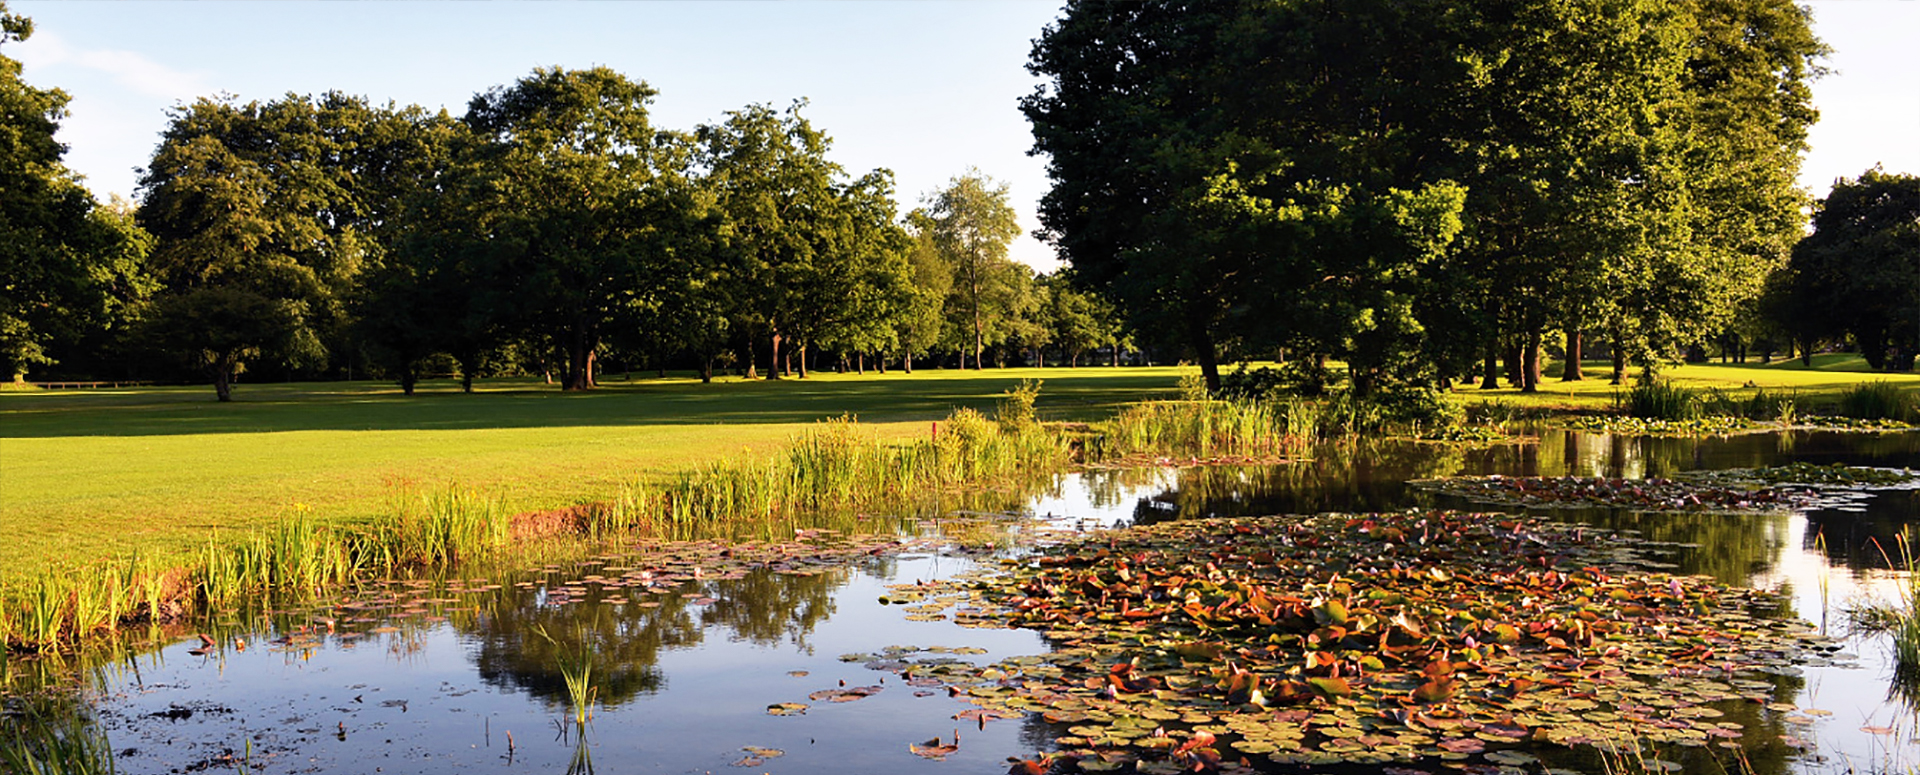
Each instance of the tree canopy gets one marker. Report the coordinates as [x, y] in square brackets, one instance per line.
[1414, 186]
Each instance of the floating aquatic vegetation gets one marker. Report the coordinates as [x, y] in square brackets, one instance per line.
[1711, 425]
[1642, 494]
[1466, 434]
[1811, 474]
[1365, 639]
[1836, 422]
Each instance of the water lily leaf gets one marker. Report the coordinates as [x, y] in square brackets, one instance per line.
[1330, 687]
[787, 709]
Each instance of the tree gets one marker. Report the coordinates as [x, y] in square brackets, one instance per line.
[576, 192]
[1858, 273]
[291, 202]
[1404, 184]
[919, 322]
[68, 267]
[972, 224]
[809, 258]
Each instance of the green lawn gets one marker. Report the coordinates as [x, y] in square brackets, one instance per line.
[87, 474]
[1815, 387]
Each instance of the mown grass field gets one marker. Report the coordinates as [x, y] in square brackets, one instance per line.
[1813, 387]
[91, 474]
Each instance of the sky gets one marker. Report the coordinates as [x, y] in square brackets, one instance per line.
[928, 89]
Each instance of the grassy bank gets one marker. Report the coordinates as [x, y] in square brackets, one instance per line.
[1821, 385]
[93, 474]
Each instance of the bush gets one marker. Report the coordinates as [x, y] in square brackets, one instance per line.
[1262, 384]
[1015, 412]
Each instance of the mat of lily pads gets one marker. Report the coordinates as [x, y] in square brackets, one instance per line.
[1836, 475]
[1653, 494]
[1479, 639]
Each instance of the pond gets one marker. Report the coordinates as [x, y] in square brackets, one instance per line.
[808, 655]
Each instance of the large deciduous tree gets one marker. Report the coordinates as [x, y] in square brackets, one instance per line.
[266, 217]
[1402, 184]
[575, 193]
[809, 257]
[68, 267]
[1858, 273]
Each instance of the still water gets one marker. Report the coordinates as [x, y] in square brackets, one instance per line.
[441, 676]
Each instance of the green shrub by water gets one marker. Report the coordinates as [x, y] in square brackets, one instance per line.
[1879, 400]
[1661, 400]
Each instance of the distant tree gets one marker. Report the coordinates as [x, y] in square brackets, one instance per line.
[68, 267]
[972, 224]
[1858, 273]
[574, 188]
[811, 258]
[918, 324]
[1075, 318]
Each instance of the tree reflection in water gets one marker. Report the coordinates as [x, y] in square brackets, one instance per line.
[626, 639]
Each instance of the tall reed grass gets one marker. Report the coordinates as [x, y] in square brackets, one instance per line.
[35, 743]
[831, 467]
[1880, 400]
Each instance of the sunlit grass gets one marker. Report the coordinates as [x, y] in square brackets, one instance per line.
[87, 475]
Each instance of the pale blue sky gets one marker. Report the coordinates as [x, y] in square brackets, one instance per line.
[926, 89]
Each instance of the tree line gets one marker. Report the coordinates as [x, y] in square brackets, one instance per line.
[551, 226]
[1428, 191]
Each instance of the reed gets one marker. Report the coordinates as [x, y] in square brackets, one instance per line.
[1660, 400]
[54, 744]
[576, 670]
[1879, 400]
[832, 468]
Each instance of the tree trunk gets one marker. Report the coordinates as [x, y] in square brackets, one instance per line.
[1572, 373]
[1209, 359]
[1516, 374]
[773, 364]
[860, 363]
[906, 363]
[1039, 357]
[801, 355]
[1531, 362]
[706, 369]
[1490, 369]
[408, 378]
[1116, 356]
[1619, 357]
[223, 377]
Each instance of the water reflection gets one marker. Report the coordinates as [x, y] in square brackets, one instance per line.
[686, 670]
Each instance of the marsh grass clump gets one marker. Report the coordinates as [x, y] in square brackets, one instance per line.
[576, 671]
[37, 743]
[1879, 400]
[1657, 399]
[1210, 428]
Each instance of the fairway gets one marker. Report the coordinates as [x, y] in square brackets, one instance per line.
[92, 474]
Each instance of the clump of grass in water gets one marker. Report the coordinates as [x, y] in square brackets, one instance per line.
[1879, 400]
[576, 669]
[1660, 400]
[37, 745]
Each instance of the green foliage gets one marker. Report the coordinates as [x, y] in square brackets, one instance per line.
[60, 742]
[1222, 173]
[71, 268]
[1880, 400]
[1264, 383]
[1661, 400]
[971, 223]
[1858, 273]
[1015, 412]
